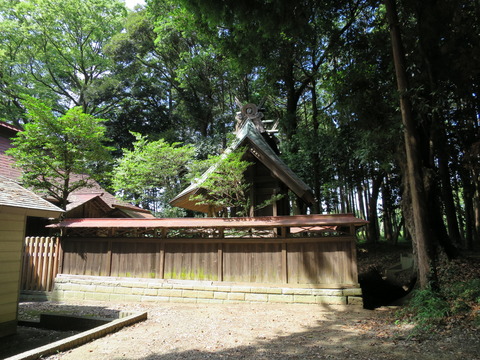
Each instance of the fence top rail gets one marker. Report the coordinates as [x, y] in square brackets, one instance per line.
[240, 222]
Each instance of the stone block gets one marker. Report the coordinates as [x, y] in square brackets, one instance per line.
[97, 296]
[87, 288]
[280, 298]
[352, 292]
[65, 286]
[266, 290]
[256, 297]
[74, 295]
[151, 292]
[127, 284]
[138, 291]
[136, 298]
[305, 299]
[140, 284]
[243, 289]
[169, 292]
[297, 291]
[122, 290]
[155, 285]
[332, 300]
[222, 288]
[327, 292]
[236, 296]
[355, 300]
[220, 295]
[104, 289]
[197, 294]
[117, 297]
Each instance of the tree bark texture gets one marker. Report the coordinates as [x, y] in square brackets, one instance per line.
[422, 235]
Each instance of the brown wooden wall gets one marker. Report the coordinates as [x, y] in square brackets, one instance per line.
[325, 261]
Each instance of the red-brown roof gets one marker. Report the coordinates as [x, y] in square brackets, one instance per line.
[265, 222]
[8, 126]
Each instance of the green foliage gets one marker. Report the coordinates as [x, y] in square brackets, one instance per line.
[464, 296]
[152, 173]
[224, 186]
[53, 50]
[428, 308]
[55, 152]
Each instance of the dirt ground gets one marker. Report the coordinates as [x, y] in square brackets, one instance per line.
[261, 331]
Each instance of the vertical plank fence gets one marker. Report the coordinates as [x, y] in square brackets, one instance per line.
[40, 263]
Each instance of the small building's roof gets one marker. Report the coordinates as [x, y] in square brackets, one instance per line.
[249, 135]
[9, 127]
[131, 211]
[103, 199]
[14, 197]
[239, 222]
[76, 200]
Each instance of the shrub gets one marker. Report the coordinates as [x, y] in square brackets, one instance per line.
[427, 307]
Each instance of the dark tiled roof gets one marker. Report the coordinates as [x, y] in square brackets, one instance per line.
[15, 196]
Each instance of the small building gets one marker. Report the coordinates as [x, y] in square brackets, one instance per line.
[16, 203]
[268, 175]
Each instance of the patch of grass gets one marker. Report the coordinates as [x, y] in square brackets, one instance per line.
[429, 309]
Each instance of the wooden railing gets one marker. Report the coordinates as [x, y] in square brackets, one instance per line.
[40, 263]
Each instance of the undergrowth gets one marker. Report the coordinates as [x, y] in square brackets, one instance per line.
[429, 310]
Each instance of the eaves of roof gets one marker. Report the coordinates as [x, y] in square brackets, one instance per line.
[240, 222]
[15, 198]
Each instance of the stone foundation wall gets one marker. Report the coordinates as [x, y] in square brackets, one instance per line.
[77, 287]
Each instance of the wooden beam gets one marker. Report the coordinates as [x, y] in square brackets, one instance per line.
[284, 263]
[161, 263]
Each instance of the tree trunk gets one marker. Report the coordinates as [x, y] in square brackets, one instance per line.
[423, 241]
[387, 212]
[361, 205]
[373, 228]
[315, 154]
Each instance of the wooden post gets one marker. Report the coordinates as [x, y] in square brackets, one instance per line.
[108, 266]
[353, 261]
[55, 254]
[33, 279]
[161, 263]
[61, 256]
[45, 241]
[284, 263]
[283, 234]
[27, 266]
[220, 256]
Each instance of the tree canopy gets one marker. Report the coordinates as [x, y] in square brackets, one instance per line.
[60, 154]
[325, 70]
[152, 173]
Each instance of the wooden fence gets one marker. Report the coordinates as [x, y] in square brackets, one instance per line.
[329, 261]
[303, 249]
[40, 263]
